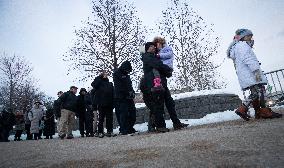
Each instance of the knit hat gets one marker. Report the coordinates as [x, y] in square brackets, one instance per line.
[82, 90]
[37, 101]
[240, 33]
[147, 45]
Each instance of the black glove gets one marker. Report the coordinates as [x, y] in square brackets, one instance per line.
[131, 95]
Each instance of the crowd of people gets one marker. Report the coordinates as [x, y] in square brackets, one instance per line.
[96, 106]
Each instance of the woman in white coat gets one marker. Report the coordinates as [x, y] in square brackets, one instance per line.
[250, 75]
[35, 116]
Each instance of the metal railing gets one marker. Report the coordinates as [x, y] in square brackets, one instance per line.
[275, 85]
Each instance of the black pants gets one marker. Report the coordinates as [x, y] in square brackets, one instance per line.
[157, 107]
[89, 117]
[36, 136]
[126, 115]
[18, 134]
[28, 132]
[170, 105]
[105, 112]
[82, 124]
[151, 121]
[4, 134]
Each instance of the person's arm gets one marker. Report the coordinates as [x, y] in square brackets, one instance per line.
[158, 64]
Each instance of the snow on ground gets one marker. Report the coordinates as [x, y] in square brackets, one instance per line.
[208, 119]
[201, 93]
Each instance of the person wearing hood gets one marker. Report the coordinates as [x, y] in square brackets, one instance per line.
[103, 103]
[124, 99]
[250, 75]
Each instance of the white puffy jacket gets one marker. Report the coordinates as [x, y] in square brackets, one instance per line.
[246, 63]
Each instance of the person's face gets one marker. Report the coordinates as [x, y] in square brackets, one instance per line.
[59, 94]
[248, 38]
[159, 46]
[37, 105]
[74, 90]
[104, 74]
[152, 49]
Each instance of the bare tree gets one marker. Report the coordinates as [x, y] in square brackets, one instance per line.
[194, 46]
[111, 36]
[17, 86]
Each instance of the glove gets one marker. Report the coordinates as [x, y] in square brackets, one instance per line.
[257, 75]
[131, 95]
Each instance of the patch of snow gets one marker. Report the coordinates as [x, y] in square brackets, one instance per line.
[201, 93]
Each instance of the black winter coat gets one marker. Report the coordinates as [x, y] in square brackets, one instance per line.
[49, 123]
[150, 62]
[84, 106]
[103, 92]
[122, 83]
[57, 108]
[68, 101]
[7, 120]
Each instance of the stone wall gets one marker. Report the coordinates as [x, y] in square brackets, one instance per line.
[195, 107]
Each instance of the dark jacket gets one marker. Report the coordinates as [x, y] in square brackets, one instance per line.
[84, 103]
[68, 101]
[57, 108]
[7, 120]
[150, 62]
[103, 92]
[122, 83]
[84, 106]
[49, 123]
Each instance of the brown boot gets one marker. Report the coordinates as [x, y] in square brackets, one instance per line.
[242, 112]
[266, 113]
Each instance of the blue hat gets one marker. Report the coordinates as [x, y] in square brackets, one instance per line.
[243, 32]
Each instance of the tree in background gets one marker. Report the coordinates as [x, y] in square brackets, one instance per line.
[18, 88]
[112, 35]
[194, 46]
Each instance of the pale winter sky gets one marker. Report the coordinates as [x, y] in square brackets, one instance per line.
[42, 31]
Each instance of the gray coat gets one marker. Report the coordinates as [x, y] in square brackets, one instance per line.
[35, 115]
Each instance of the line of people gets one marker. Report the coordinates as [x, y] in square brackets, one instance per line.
[93, 107]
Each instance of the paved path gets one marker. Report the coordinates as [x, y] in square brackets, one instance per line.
[235, 144]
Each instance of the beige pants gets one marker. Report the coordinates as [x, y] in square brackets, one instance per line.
[95, 121]
[66, 122]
